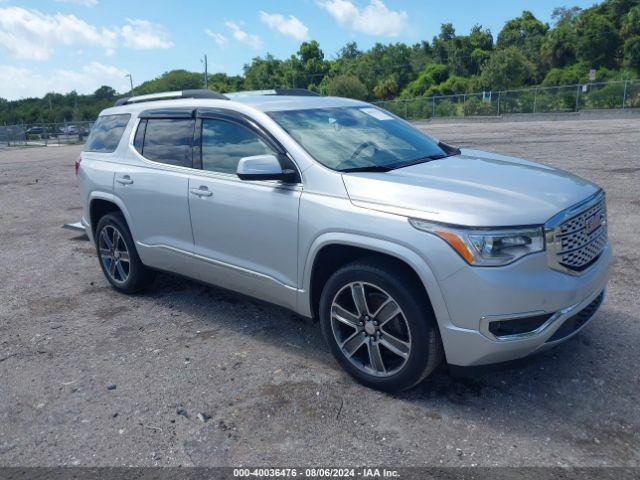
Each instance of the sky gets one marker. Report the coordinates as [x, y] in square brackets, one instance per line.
[64, 45]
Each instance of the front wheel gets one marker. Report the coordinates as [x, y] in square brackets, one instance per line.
[379, 325]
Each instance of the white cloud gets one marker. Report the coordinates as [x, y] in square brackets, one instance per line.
[291, 27]
[32, 35]
[84, 3]
[144, 35]
[240, 35]
[374, 19]
[217, 37]
[19, 82]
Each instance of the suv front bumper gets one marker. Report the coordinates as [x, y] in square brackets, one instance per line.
[477, 296]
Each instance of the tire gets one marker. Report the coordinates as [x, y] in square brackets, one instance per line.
[127, 273]
[408, 341]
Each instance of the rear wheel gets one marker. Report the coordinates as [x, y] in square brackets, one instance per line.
[379, 325]
[118, 257]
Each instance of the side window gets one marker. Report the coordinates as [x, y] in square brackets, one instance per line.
[168, 140]
[106, 133]
[225, 143]
[139, 138]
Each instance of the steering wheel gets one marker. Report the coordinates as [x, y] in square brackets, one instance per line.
[356, 153]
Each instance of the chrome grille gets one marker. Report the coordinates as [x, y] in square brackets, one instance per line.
[577, 237]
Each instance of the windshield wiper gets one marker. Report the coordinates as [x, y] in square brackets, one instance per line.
[368, 168]
[417, 161]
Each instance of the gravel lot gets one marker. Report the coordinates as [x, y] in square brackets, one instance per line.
[274, 394]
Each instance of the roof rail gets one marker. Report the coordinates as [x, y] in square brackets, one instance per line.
[298, 92]
[292, 92]
[168, 95]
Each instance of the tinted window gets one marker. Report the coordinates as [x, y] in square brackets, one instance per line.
[225, 143]
[139, 138]
[106, 133]
[168, 140]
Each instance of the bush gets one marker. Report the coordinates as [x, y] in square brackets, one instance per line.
[475, 106]
[446, 108]
[348, 86]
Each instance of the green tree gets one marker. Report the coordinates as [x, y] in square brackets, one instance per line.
[263, 73]
[559, 46]
[105, 93]
[171, 81]
[386, 89]
[631, 23]
[632, 53]
[221, 82]
[598, 40]
[564, 15]
[348, 86]
[433, 74]
[507, 68]
[525, 33]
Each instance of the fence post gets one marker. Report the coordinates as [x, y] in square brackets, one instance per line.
[578, 97]
[499, 94]
[535, 100]
[624, 95]
[406, 110]
[433, 107]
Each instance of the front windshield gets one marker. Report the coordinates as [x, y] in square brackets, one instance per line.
[358, 138]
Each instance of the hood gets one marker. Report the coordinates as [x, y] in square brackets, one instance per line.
[475, 188]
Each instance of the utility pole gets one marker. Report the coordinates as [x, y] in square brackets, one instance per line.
[206, 74]
[130, 80]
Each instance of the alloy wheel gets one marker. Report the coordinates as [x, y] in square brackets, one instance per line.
[114, 254]
[370, 328]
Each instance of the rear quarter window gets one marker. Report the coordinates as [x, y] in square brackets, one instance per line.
[106, 133]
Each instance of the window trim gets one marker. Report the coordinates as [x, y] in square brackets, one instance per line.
[200, 113]
[238, 118]
[166, 116]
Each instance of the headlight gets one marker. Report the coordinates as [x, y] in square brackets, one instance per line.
[485, 247]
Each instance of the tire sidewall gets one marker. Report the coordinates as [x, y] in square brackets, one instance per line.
[416, 313]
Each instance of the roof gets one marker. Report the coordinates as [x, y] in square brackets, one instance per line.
[269, 103]
[263, 103]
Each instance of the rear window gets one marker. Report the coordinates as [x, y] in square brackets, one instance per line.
[106, 133]
[166, 140]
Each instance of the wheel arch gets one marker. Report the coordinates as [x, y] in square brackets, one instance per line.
[330, 251]
[101, 203]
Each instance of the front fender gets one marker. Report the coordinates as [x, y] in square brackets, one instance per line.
[401, 252]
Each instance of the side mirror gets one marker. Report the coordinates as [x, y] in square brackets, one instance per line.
[263, 167]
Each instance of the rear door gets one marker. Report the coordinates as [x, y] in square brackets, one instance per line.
[245, 231]
[155, 189]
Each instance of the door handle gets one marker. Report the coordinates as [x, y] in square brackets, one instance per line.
[125, 180]
[201, 192]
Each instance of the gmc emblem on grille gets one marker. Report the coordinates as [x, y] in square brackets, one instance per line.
[593, 223]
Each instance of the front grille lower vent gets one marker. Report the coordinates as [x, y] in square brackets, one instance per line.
[575, 322]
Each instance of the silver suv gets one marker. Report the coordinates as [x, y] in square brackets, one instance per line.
[407, 250]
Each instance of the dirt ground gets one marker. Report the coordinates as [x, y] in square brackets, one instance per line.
[264, 376]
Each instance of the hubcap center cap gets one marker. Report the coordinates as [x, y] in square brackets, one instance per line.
[369, 328]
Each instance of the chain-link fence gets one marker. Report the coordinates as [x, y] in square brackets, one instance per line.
[44, 134]
[565, 98]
